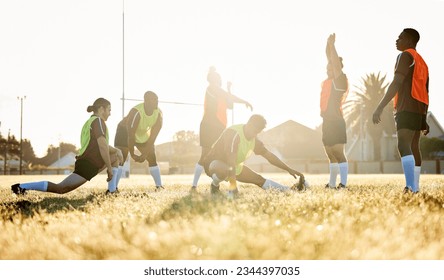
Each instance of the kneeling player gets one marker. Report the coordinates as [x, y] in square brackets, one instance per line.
[225, 161]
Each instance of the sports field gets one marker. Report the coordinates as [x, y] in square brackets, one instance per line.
[372, 219]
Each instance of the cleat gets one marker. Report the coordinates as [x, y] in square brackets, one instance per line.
[327, 186]
[299, 186]
[215, 190]
[341, 186]
[17, 189]
[193, 190]
[408, 190]
[159, 188]
[112, 193]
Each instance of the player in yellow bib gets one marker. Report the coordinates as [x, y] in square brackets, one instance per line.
[237, 143]
[140, 129]
[94, 156]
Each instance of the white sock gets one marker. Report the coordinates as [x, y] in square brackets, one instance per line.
[36, 186]
[155, 172]
[112, 185]
[216, 180]
[408, 165]
[417, 174]
[269, 184]
[197, 172]
[343, 171]
[119, 175]
[334, 170]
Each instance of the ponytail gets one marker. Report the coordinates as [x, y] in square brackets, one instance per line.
[100, 102]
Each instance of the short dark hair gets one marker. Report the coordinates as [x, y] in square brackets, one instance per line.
[414, 35]
[258, 121]
[100, 102]
[148, 94]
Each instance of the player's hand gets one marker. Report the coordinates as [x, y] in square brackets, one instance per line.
[295, 173]
[109, 172]
[140, 158]
[248, 105]
[427, 129]
[331, 39]
[377, 116]
[229, 84]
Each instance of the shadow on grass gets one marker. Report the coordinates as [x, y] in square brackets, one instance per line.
[51, 205]
[191, 205]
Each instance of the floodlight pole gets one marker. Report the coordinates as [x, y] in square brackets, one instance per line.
[123, 59]
[21, 98]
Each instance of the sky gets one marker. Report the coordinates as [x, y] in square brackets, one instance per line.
[63, 54]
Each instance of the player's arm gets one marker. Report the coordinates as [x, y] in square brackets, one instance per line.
[391, 92]
[133, 123]
[156, 129]
[402, 67]
[333, 56]
[98, 132]
[118, 152]
[234, 99]
[274, 160]
[104, 153]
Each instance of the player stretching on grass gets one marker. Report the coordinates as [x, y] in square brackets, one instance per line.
[95, 155]
[225, 160]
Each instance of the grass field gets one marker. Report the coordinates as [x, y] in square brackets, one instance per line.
[372, 219]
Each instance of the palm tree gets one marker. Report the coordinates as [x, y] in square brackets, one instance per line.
[359, 108]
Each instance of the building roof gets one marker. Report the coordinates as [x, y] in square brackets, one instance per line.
[294, 141]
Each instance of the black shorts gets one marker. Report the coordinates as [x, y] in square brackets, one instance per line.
[85, 169]
[411, 121]
[121, 138]
[210, 132]
[333, 132]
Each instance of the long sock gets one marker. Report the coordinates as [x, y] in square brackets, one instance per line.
[216, 180]
[36, 186]
[408, 165]
[334, 170]
[343, 171]
[197, 172]
[112, 185]
[155, 172]
[269, 184]
[119, 175]
[417, 174]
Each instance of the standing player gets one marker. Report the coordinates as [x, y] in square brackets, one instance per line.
[225, 160]
[410, 88]
[140, 129]
[95, 155]
[214, 120]
[334, 137]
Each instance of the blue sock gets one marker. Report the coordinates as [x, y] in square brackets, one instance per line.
[343, 171]
[155, 172]
[408, 165]
[36, 186]
[334, 170]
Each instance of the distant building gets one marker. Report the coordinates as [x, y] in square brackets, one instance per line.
[67, 161]
[361, 148]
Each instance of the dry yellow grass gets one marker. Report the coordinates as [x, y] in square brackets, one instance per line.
[369, 220]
